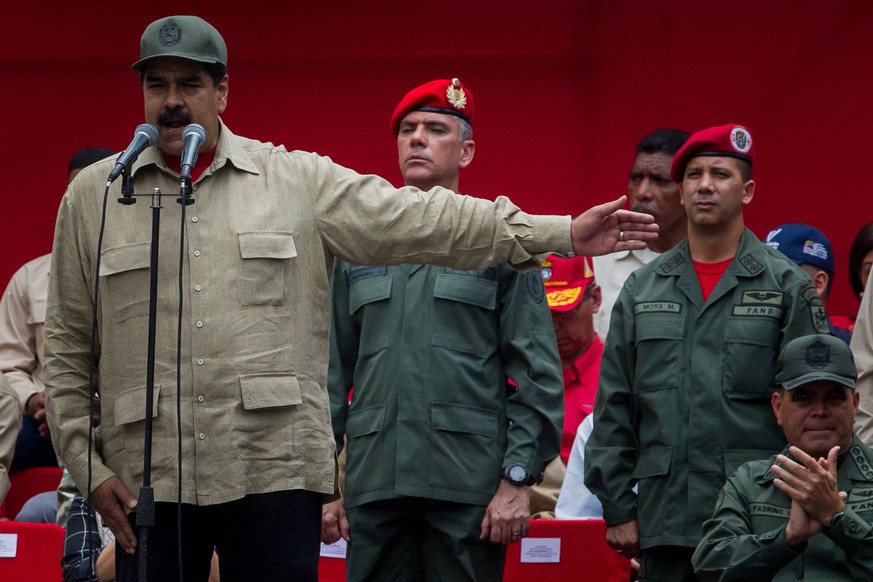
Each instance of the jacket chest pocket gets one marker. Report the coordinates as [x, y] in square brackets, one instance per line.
[659, 341]
[465, 313]
[369, 290]
[263, 267]
[749, 357]
[125, 271]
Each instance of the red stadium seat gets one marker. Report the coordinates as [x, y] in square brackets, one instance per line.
[39, 550]
[584, 556]
[27, 483]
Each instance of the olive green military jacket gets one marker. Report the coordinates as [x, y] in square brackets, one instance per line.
[684, 394]
[745, 539]
[429, 351]
[259, 246]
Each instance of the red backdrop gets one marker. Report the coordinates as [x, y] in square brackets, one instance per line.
[564, 90]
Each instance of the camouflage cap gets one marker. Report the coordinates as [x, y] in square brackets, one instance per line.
[186, 37]
[815, 357]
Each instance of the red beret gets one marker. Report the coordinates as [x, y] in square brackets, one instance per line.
[440, 96]
[731, 140]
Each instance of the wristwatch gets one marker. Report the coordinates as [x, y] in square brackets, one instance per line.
[517, 475]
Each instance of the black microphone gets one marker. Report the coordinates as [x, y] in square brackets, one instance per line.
[145, 136]
[194, 136]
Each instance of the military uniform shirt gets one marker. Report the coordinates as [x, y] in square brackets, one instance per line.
[745, 539]
[684, 395]
[430, 351]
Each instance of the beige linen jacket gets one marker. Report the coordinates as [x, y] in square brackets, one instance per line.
[259, 246]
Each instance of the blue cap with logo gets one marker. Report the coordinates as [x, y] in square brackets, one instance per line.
[803, 244]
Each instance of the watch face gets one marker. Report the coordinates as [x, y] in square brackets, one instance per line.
[517, 474]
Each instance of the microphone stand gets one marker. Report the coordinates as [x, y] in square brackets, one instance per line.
[145, 509]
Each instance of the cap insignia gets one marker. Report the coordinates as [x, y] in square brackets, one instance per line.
[170, 34]
[546, 273]
[818, 355]
[455, 95]
[741, 140]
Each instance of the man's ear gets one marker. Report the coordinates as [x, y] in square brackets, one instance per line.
[776, 404]
[468, 150]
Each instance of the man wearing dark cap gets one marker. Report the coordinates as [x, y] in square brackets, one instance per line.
[688, 370]
[440, 447]
[257, 453]
[810, 250]
[806, 513]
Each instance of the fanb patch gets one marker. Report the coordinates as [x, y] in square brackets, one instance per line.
[760, 303]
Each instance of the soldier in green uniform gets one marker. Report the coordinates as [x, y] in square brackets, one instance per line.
[806, 513]
[441, 446]
[688, 366]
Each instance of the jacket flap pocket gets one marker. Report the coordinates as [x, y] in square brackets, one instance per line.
[653, 463]
[365, 421]
[466, 289]
[269, 390]
[267, 245]
[652, 326]
[460, 418]
[130, 405]
[368, 291]
[125, 258]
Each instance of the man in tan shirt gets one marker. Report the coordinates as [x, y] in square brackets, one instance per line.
[257, 450]
[22, 331]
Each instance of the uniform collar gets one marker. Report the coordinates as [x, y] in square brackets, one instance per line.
[748, 261]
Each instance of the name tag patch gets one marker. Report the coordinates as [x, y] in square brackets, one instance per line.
[357, 273]
[657, 307]
[768, 510]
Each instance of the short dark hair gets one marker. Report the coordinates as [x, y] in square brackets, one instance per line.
[215, 71]
[745, 169]
[87, 156]
[667, 141]
[862, 245]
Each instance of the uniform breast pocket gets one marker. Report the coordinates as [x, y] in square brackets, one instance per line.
[125, 272]
[749, 357]
[659, 344]
[465, 313]
[265, 256]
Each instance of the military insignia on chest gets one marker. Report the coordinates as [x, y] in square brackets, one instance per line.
[763, 303]
[671, 264]
[861, 462]
[751, 265]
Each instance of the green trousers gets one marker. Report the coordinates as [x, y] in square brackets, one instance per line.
[420, 540]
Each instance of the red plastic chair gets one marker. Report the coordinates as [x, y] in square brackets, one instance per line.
[585, 555]
[38, 553]
[27, 483]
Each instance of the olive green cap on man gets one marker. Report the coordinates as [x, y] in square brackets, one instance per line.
[186, 37]
[816, 357]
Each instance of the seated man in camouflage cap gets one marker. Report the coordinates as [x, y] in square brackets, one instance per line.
[806, 513]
